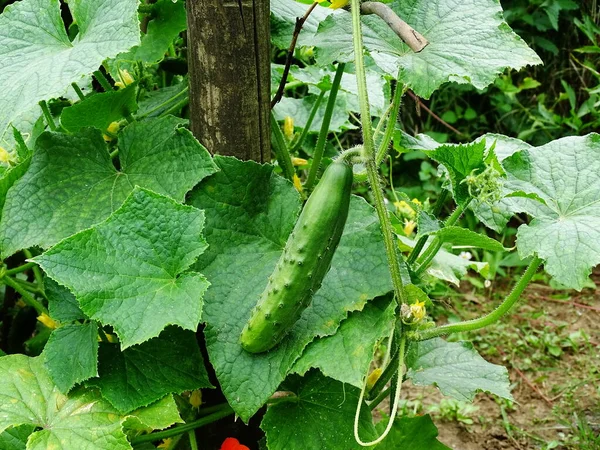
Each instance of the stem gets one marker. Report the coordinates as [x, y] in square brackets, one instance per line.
[183, 92]
[27, 298]
[103, 81]
[398, 388]
[320, 148]
[437, 209]
[20, 269]
[47, 115]
[226, 411]
[290, 54]
[311, 117]
[176, 107]
[391, 124]
[436, 243]
[381, 397]
[386, 376]
[78, 91]
[281, 149]
[365, 116]
[193, 442]
[37, 274]
[494, 316]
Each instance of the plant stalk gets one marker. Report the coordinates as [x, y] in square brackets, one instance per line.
[27, 298]
[281, 150]
[488, 319]
[369, 151]
[322, 139]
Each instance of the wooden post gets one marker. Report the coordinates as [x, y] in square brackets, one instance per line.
[229, 63]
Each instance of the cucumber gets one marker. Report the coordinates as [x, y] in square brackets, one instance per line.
[305, 261]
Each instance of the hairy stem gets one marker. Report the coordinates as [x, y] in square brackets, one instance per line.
[369, 152]
[391, 124]
[281, 149]
[494, 316]
[27, 298]
[322, 139]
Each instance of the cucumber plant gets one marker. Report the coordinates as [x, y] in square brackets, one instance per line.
[120, 234]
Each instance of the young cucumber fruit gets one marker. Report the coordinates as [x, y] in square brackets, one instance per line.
[304, 263]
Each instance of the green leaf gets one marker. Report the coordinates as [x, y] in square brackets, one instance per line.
[319, 415]
[157, 416]
[463, 237]
[8, 178]
[481, 51]
[37, 59]
[283, 22]
[427, 224]
[346, 355]
[72, 354]
[158, 102]
[62, 304]
[142, 374]
[414, 433]
[460, 161]
[61, 194]
[246, 235]
[100, 110]
[559, 185]
[456, 369]
[127, 272]
[82, 421]
[15, 438]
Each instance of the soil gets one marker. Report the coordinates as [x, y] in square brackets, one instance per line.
[554, 393]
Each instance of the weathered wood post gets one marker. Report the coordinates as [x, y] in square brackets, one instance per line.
[229, 65]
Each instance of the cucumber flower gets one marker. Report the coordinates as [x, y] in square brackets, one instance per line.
[336, 4]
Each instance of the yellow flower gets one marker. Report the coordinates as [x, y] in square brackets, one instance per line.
[288, 127]
[404, 208]
[166, 443]
[126, 79]
[373, 377]
[298, 183]
[48, 321]
[299, 161]
[196, 398]
[335, 4]
[111, 131]
[5, 157]
[418, 311]
[409, 227]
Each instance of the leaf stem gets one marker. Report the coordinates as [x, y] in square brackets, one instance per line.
[311, 117]
[391, 124]
[488, 319]
[281, 150]
[322, 139]
[27, 298]
[47, 115]
[369, 151]
[101, 78]
[428, 255]
[437, 209]
[78, 91]
[20, 269]
[193, 441]
[180, 429]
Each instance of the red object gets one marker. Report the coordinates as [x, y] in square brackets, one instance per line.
[232, 444]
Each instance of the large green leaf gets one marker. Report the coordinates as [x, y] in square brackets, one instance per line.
[15, 438]
[562, 181]
[72, 354]
[411, 433]
[169, 363]
[37, 59]
[347, 354]
[468, 43]
[127, 272]
[72, 183]
[62, 304]
[456, 369]
[250, 212]
[319, 416]
[82, 420]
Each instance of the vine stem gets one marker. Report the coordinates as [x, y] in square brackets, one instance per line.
[27, 298]
[395, 404]
[488, 319]
[437, 209]
[224, 412]
[391, 123]
[436, 243]
[313, 112]
[281, 150]
[20, 269]
[320, 148]
[369, 152]
[47, 115]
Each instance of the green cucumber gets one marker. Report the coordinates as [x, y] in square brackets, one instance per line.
[304, 263]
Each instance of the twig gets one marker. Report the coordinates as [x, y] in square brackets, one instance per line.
[290, 54]
[434, 115]
[415, 40]
[528, 382]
